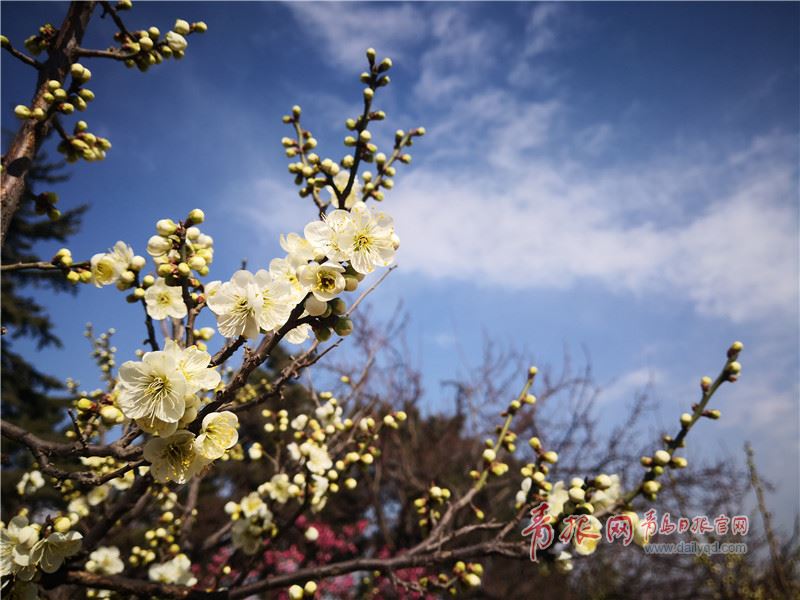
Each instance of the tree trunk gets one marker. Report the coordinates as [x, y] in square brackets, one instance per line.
[26, 143]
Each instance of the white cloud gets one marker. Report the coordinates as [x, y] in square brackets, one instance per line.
[625, 387]
[542, 31]
[457, 58]
[348, 29]
[546, 223]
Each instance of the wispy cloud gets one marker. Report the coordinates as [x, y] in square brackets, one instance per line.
[553, 225]
[350, 28]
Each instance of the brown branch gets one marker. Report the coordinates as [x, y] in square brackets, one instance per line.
[31, 134]
[28, 60]
[772, 542]
[40, 266]
[112, 54]
[65, 449]
[369, 291]
[228, 350]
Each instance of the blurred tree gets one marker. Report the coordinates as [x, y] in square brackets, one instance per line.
[27, 390]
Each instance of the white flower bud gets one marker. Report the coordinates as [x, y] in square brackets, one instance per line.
[181, 27]
[166, 227]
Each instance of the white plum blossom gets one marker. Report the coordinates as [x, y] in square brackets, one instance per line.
[283, 269]
[153, 389]
[276, 304]
[193, 365]
[522, 494]
[299, 334]
[16, 542]
[237, 304]
[218, 434]
[325, 280]
[556, 500]
[98, 495]
[177, 571]
[325, 235]
[253, 506]
[105, 561]
[318, 460]
[247, 536]
[173, 458]
[368, 241]
[49, 554]
[603, 499]
[277, 488]
[164, 301]
[299, 250]
[30, 482]
[108, 267]
[319, 488]
[587, 544]
[329, 413]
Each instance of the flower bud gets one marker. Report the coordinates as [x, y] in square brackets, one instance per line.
[138, 263]
[166, 227]
[295, 592]
[62, 524]
[315, 307]
[489, 455]
[551, 457]
[199, 27]
[602, 482]
[196, 216]
[197, 263]
[576, 494]
[181, 27]
[310, 588]
[22, 112]
[686, 419]
[661, 457]
[651, 487]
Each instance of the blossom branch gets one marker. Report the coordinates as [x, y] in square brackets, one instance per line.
[28, 60]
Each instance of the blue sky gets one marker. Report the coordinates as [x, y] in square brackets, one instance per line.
[616, 177]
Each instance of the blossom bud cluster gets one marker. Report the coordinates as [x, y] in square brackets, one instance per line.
[84, 144]
[144, 48]
[339, 180]
[38, 43]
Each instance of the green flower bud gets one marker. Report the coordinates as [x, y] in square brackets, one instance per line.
[199, 27]
[343, 327]
[196, 216]
[338, 306]
[602, 482]
[686, 419]
[22, 112]
[651, 487]
[551, 457]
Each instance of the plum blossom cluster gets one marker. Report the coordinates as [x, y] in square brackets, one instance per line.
[334, 254]
[28, 548]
